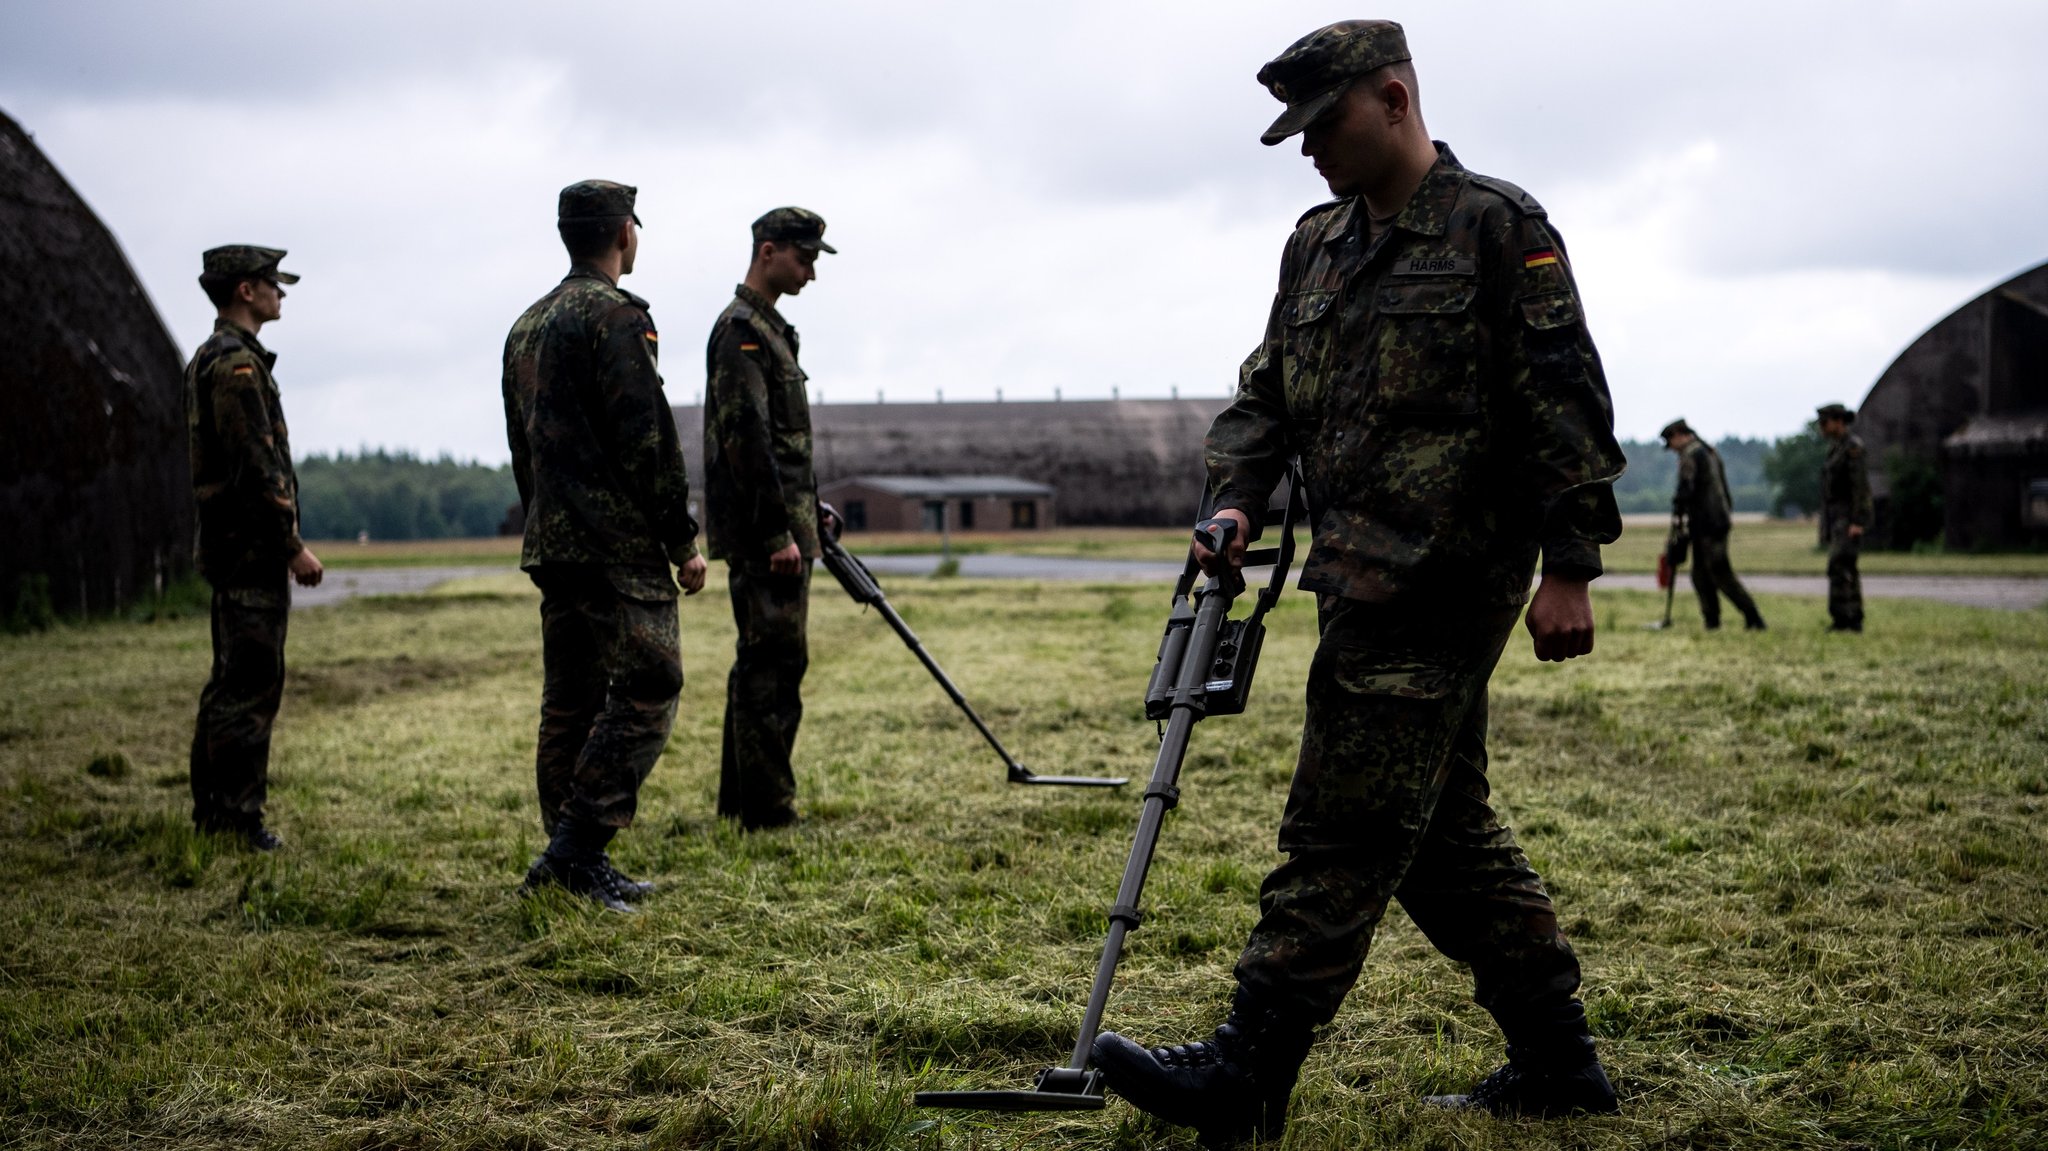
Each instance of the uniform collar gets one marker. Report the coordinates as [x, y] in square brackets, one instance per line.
[223, 324]
[1428, 211]
[761, 306]
[582, 271]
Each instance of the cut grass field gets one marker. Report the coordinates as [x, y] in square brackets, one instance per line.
[1775, 547]
[1806, 874]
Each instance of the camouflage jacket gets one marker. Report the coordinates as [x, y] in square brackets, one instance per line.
[1702, 496]
[758, 484]
[1442, 392]
[242, 477]
[1845, 486]
[594, 444]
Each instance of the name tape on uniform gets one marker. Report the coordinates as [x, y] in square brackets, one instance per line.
[1437, 266]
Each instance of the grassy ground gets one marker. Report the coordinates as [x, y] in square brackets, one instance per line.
[1806, 873]
[1760, 546]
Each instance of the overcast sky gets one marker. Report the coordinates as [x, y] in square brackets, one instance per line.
[1765, 202]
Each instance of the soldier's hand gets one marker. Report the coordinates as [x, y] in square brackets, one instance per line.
[786, 562]
[1855, 531]
[1560, 619]
[691, 575]
[1233, 555]
[306, 568]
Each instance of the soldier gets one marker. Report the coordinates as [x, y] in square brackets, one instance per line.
[249, 547]
[600, 473]
[1845, 515]
[1702, 500]
[1427, 360]
[763, 509]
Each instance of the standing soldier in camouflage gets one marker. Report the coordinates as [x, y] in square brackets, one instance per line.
[1703, 502]
[1845, 514]
[600, 473]
[763, 506]
[249, 546]
[1427, 360]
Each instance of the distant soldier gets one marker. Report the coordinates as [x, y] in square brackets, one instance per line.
[1702, 500]
[607, 505]
[762, 502]
[249, 546]
[1428, 362]
[1845, 514]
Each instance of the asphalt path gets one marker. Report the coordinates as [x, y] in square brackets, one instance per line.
[2005, 593]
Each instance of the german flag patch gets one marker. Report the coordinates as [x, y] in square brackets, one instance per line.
[244, 370]
[750, 347]
[654, 336]
[1538, 257]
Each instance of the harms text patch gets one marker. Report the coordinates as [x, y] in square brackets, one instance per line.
[1437, 266]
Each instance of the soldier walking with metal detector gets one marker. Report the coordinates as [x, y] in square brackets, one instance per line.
[1845, 514]
[1428, 361]
[600, 473]
[762, 502]
[1702, 502]
[249, 546]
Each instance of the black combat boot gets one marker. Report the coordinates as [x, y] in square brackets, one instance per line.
[248, 830]
[1559, 1079]
[575, 861]
[1230, 1089]
[625, 886]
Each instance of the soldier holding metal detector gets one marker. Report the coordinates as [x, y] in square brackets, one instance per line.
[1427, 361]
[1702, 504]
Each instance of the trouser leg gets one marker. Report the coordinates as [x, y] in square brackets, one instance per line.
[764, 702]
[1473, 892]
[573, 684]
[1845, 584]
[1711, 557]
[1388, 701]
[1703, 582]
[230, 756]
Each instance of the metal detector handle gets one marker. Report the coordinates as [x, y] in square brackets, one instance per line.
[1216, 534]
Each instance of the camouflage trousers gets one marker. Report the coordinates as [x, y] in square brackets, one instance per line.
[1389, 801]
[1713, 577]
[230, 761]
[763, 700]
[611, 671]
[1845, 583]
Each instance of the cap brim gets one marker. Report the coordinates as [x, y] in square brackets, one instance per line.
[1300, 116]
[284, 277]
[816, 246]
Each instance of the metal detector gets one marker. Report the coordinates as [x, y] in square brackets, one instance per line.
[859, 583]
[1676, 544]
[1206, 661]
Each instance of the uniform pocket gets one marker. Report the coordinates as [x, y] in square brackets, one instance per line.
[647, 584]
[1551, 310]
[1372, 673]
[1305, 344]
[1427, 363]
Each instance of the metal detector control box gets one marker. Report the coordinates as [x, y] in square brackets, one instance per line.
[1227, 682]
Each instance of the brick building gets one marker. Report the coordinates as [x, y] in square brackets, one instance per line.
[940, 503]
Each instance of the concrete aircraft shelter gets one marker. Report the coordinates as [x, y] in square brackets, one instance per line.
[1964, 411]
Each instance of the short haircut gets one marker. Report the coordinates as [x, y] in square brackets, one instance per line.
[222, 291]
[588, 237]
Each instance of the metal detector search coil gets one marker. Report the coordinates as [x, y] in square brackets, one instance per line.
[1205, 666]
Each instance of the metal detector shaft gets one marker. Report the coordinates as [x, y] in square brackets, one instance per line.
[859, 583]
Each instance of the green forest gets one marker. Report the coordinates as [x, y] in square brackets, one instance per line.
[395, 495]
[399, 496]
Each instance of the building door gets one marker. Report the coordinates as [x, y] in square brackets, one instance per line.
[1023, 514]
[966, 515]
[932, 517]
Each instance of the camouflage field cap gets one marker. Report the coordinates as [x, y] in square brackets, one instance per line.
[805, 229]
[1836, 412]
[596, 200]
[1312, 73]
[243, 262]
[1675, 427]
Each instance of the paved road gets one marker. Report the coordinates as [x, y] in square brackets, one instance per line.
[2005, 593]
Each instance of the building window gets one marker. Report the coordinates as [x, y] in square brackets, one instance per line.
[966, 515]
[1024, 514]
[855, 513]
[932, 517]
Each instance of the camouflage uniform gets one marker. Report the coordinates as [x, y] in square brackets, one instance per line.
[1844, 501]
[248, 501]
[762, 496]
[1438, 382]
[600, 474]
[1702, 498]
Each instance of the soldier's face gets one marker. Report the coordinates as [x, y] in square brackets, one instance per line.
[632, 231]
[1353, 143]
[789, 267]
[264, 297]
[1833, 428]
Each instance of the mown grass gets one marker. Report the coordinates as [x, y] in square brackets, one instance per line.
[1806, 874]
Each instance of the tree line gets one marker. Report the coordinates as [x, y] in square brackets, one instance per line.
[395, 495]
[399, 496]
